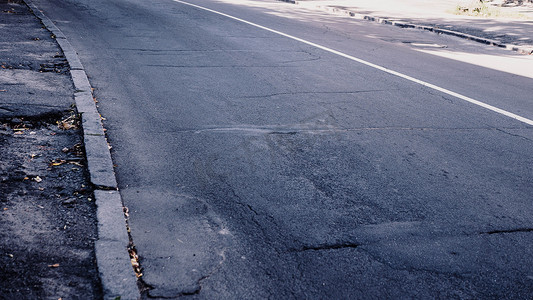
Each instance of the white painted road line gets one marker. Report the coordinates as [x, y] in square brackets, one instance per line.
[364, 62]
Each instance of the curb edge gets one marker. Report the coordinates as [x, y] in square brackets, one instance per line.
[116, 273]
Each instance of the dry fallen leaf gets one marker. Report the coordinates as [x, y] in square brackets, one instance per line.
[134, 263]
[68, 123]
[66, 126]
[57, 162]
[54, 266]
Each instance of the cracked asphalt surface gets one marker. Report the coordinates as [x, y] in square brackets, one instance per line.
[255, 166]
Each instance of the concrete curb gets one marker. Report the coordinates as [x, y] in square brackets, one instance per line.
[114, 266]
[388, 21]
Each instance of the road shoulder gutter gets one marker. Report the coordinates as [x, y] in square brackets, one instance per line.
[113, 261]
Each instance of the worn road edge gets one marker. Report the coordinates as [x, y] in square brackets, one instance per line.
[113, 261]
[389, 21]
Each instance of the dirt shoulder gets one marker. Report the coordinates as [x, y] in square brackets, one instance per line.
[48, 215]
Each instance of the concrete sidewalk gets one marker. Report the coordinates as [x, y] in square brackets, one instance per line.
[514, 32]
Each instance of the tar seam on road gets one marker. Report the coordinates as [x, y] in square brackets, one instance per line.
[364, 62]
[113, 261]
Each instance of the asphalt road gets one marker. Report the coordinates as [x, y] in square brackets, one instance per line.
[255, 165]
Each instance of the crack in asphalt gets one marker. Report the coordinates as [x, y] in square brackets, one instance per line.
[326, 129]
[378, 258]
[32, 104]
[321, 247]
[434, 93]
[269, 222]
[315, 58]
[312, 93]
[373, 256]
[283, 132]
[212, 50]
[513, 134]
[7, 109]
[249, 208]
[508, 231]
[199, 282]
[217, 66]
